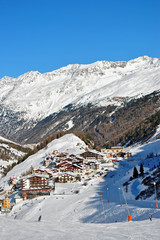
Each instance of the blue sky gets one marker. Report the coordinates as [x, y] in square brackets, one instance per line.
[44, 35]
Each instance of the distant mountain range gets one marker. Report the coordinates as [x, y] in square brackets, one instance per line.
[107, 100]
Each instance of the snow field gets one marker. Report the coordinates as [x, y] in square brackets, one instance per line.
[94, 213]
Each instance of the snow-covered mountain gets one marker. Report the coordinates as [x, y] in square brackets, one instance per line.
[35, 105]
[39, 95]
[33, 97]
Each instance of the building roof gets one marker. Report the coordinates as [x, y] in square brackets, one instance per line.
[117, 147]
[35, 175]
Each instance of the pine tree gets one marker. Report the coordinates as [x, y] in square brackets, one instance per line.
[135, 172]
[141, 170]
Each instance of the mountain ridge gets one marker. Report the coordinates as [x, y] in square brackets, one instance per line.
[35, 98]
[32, 92]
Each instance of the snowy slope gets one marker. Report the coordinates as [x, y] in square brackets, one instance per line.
[73, 145]
[9, 153]
[39, 95]
[68, 143]
[142, 150]
[6, 140]
[24, 230]
[94, 213]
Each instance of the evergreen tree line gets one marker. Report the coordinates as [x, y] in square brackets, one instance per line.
[141, 170]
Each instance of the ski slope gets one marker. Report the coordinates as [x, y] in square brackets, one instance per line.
[94, 213]
[81, 216]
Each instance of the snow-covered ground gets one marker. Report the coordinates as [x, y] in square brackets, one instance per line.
[24, 230]
[82, 216]
[94, 213]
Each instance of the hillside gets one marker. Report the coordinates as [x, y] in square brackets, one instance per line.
[10, 154]
[69, 143]
[95, 211]
[135, 121]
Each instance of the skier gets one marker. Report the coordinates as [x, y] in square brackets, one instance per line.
[150, 216]
[39, 219]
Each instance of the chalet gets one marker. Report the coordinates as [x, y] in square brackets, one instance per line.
[104, 150]
[88, 155]
[92, 165]
[63, 164]
[118, 149]
[74, 168]
[5, 203]
[108, 153]
[67, 177]
[40, 171]
[113, 150]
[62, 155]
[35, 185]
